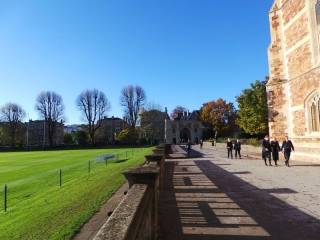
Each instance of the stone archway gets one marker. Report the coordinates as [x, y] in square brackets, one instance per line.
[185, 135]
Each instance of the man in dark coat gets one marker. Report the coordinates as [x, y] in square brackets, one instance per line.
[229, 148]
[286, 148]
[237, 148]
[275, 149]
[266, 150]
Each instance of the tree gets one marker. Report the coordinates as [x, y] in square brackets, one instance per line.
[12, 114]
[94, 106]
[219, 115]
[132, 100]
[178, 112]
[51, 109]
[68, 139]
[128, 136]
[253, 109]
[80, 137]
[153, 125]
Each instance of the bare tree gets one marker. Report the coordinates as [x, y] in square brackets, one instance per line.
[13, 115]
[94, 105]
[178, 112]
[51, 109]
[132, 99]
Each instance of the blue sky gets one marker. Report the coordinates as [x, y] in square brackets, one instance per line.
[182, 52]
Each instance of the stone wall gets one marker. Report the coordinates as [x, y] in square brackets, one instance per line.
[136, 217]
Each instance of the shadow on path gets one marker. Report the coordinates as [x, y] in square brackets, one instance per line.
[202, 201]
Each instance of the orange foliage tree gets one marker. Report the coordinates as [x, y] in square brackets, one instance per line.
[219, 115]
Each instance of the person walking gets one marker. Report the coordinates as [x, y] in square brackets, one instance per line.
[266, 150]
[230, 148]
[237, 148]
[275, 149]
[286, 148]
[201, 143]
[189, 147]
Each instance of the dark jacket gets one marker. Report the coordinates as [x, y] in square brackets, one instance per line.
[275, 147]
[237, 146]
[229, 145]
[287, 146]
[266, 146]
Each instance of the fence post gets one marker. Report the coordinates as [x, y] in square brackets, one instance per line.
[5, 197]
[89, 166]
[60, 177]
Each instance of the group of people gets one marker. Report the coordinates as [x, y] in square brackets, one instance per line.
[234, 146]
[272, 149]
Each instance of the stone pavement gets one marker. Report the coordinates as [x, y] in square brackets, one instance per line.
[212, 197]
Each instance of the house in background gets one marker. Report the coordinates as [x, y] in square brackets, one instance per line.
[37, 134]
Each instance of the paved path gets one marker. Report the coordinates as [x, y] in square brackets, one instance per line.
[211, 197]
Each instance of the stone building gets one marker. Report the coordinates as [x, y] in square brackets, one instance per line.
[37, 134]
[183, 128]
[294, 84]
[109, 129]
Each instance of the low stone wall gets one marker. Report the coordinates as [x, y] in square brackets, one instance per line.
[136, 217]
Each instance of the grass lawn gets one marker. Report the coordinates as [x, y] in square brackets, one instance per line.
[39, 209]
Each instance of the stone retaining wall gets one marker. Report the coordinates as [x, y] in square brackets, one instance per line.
[136, 217]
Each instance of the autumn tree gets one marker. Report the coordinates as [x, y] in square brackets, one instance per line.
[178, 111]
[94, 106]
[51, 108]
[253, 109]
[219, 115]
[12, 115]
[132, 100]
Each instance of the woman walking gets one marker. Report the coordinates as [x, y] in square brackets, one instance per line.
[275, 149]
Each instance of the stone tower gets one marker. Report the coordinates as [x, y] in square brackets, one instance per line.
[294, 84]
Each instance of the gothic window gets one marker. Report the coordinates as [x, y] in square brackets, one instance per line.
[318, 12]
[313, 108]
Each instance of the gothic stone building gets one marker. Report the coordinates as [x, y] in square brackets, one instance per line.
[183, 128]
[294, 84]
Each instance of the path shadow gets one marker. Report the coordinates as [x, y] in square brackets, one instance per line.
[278, 218]
[217, 204]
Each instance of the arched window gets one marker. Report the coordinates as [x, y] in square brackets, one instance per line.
[314, 118]
[313, 112]
[318, 12]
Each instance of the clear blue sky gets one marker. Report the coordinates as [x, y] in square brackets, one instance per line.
[182, 52]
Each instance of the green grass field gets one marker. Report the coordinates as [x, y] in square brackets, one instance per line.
[39, 209]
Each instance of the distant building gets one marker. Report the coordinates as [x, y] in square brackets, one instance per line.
[37, 134]
[109, 129]
[185, 127]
